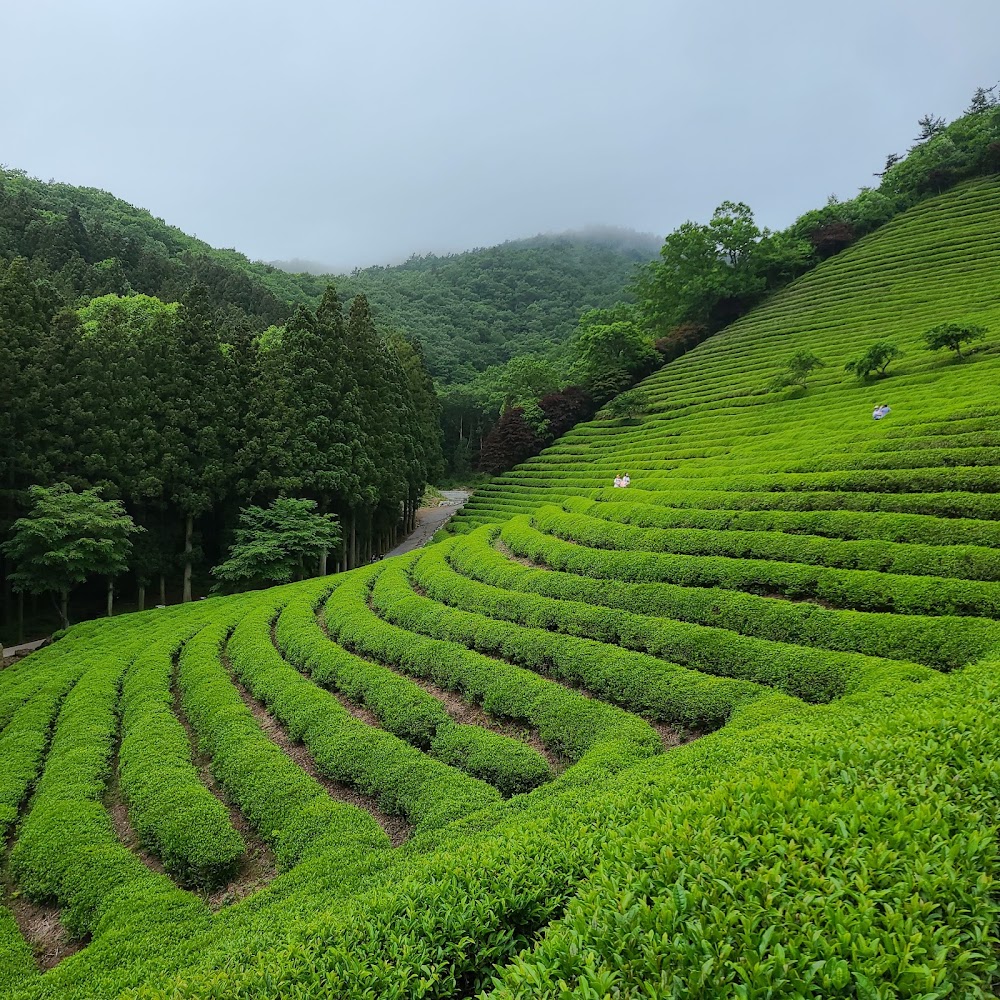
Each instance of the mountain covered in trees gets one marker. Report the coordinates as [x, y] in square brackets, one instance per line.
[468, 310]
[488, 305]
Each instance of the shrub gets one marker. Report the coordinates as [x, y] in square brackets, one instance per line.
[952, 336]
[797, 369]
[877, 358]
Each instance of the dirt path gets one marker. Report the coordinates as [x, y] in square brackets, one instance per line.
[429, 519]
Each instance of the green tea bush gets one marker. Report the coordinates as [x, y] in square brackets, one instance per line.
[943, 642]
[286, 806]
[567, 722]
[964, 561]
[405, 709]
[172, 812]
[401, 778]
[858, 589]
[811, 674]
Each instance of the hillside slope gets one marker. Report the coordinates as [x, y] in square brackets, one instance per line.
[731, 733]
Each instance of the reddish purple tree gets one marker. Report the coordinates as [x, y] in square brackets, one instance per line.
[566, 408]
[512, 440]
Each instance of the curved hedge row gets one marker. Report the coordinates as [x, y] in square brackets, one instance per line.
[944, 642]
[846, 588]
[635, 681]
[172, 812]
[815, 675]
[965, 562]
[567, 722]
[402, 779]
[843, 524]
[286, 806]
[405, 709]
[25, 738]
[67, 850]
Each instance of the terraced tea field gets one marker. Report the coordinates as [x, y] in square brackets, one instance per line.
[728, 733]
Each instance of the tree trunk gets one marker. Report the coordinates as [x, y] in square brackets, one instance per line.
[111, 596]
[20, 617]
[322, 563]
[188, 546]
[64, 607]
[142, 597]
[163, 588]
[353, 560]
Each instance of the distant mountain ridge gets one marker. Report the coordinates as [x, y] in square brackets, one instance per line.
[469, 310]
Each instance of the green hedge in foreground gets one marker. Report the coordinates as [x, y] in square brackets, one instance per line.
[172, 812]
[965, 562]
[287, 807]
[815, 675]
[567, 722]
[403, 780]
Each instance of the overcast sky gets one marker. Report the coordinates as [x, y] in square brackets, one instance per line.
[359, 133]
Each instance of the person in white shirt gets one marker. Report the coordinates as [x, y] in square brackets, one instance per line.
[880, 411]
[618, 482]
[625, 480]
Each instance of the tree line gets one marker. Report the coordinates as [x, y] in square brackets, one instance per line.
[186, 414]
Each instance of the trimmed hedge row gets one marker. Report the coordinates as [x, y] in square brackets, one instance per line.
[965, 562]
[567, 722]
[635, 681]
[24, 740]
[850, 525]
[815, 675]
[401, 778]
[67, 851]
[287, 807]
[846, 588]
[978, 506]
[17, 963]
[402, 707]
[172, 812]
[405, 709]
[944, 642]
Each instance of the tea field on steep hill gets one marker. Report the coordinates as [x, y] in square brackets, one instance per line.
[728, 733]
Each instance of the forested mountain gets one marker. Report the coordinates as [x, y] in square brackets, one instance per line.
[483, 307]
[468, 310]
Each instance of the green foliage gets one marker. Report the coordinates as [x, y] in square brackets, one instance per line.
[630, 404]
[273, 545]
[952, 336]
[876, 358]
[67, 537]
[171, 810]
[797, 369]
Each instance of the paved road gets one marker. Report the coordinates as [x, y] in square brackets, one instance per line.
[26, 648]
[429, 519]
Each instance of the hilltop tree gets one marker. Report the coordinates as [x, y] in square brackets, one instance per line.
[983, 99]
[952, 336]
[275, 545]
[628, 404]
[930, 126]
[65, 538]
[877, 358]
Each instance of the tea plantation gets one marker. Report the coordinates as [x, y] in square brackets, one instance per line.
[730, 732]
